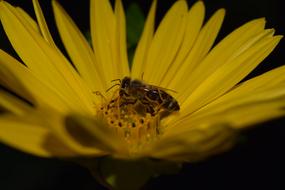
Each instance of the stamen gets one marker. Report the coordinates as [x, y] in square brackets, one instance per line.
[136, 127]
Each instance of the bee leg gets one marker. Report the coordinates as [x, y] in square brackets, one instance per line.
[148, 107]
[112, 103]
[151, 110]
[130, 101]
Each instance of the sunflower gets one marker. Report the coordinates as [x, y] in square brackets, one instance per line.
[78, 107]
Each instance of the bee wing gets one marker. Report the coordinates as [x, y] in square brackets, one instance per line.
[164, 89]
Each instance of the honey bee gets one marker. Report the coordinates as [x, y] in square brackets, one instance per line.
[154, 99]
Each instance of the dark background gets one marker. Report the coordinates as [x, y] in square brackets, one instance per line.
[256, 162]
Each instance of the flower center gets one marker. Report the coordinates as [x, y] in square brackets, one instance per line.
[131, 122]
[135, 110]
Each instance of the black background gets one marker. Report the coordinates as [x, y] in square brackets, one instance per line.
[257, 162]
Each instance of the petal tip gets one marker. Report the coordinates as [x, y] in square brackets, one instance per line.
[54, 4]
[199, 3]
[221, 12]
[181, 4]
[261, 21]
[278, 38]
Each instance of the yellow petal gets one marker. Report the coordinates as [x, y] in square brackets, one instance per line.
[52, 69]
[79, 50]
[262, 89]
[200, 49]
[230, 74]
[19, 79]
[28, 137]
[76, 139]
[94, 133]
[42, 23]
[48, 37]
[27, 133]
[165, 43]
[194, 19]
[220, 54]
[10, 81]
[144, 43]
[246, 114]
[194, 144]
[13, 104]
[122, 64]
[254, 101]
[29, 19]
[102, 23]
[261, 83]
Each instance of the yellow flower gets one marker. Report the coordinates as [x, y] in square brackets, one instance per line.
[70, 111]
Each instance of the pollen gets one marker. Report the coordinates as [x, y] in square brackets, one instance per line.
[136, 127]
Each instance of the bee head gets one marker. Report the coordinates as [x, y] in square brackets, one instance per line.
[126, 82]
[136, 84]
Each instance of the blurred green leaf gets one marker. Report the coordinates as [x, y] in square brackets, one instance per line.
[135, 23]
[134, 174]
[87, 35]
[130, 174]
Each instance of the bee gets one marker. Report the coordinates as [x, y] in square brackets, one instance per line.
[154, 99]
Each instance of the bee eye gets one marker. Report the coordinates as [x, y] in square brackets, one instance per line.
[126, 82]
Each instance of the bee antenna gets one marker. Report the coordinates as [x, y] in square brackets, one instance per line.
[117, 80]
[112, 87]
